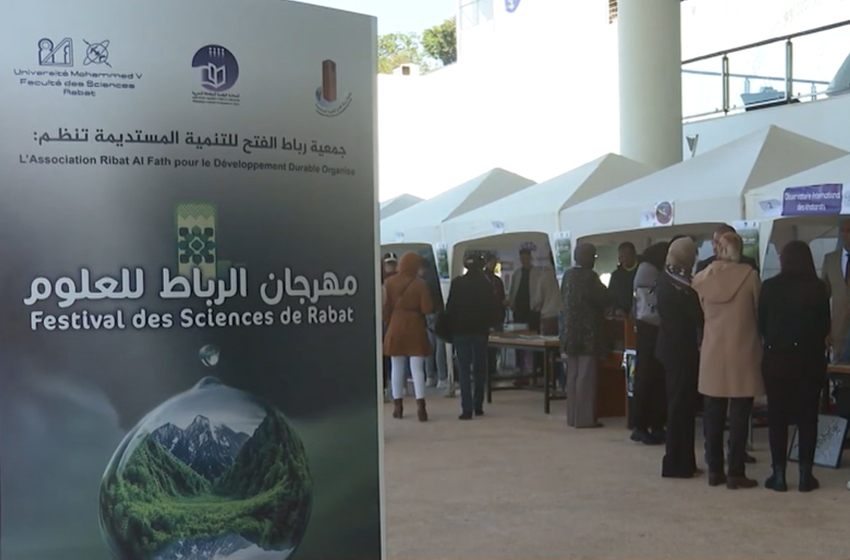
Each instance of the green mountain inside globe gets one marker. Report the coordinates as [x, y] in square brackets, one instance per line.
[264, 495]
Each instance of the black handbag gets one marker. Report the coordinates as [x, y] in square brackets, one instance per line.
[443, 326]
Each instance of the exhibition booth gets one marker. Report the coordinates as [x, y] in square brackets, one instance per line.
[422, 222]
[532, 215]
[805, 206]
[693, 196]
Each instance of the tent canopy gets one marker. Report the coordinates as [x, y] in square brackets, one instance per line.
[834, 171]
[536, 208]
[397, 204]
[421, 223]
[707, 188]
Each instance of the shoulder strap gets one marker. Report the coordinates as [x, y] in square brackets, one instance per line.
[401, 295]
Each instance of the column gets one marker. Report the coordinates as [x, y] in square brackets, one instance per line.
[650, 71]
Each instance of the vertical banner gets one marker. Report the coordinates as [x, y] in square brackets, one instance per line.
[562, 249]
[187, 231]
[441, 250]
[749, 232]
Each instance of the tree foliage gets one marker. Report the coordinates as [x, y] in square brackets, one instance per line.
[395, 49]
[440, 42]
[437, 46]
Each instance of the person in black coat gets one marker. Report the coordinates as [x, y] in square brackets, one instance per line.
[677, 348]
[470, 314]
[621, 284]
[650, 395]
[794, 320]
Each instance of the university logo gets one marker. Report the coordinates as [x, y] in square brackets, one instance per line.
[511, 5]
[219, 69]
[328, 102]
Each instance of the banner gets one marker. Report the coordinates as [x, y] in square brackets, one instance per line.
[563, 252]
[441, 250]
[812, 200]
[187, 323]
[749, 231]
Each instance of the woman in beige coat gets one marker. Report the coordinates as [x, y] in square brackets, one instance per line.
[730, 358]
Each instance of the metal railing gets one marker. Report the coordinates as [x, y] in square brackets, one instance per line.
[815, 89]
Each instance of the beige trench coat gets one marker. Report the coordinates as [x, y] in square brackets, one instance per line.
[730, 357]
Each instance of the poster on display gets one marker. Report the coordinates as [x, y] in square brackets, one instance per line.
[441, 250]
[749, 232]
[174, 302]
[829, 448]
[562, 245]
[663, 214]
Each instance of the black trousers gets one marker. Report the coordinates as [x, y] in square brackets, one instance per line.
[794, 381]
[680, 458]
[739, 410]
[650, 394]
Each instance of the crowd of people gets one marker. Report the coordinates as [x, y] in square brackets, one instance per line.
[710, 337]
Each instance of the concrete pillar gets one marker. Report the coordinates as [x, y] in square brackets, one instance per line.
[650, 64]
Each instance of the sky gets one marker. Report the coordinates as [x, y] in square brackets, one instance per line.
[396, 15]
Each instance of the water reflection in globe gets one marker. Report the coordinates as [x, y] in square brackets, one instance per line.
[211, 474]
[209, 355]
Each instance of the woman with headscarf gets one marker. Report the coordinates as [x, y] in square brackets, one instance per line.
[677, 349]
[407, 300]
[650, 400]
[730, 360]
[583, 339]
[794, 321]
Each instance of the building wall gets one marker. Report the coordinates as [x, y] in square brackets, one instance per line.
[535, 91]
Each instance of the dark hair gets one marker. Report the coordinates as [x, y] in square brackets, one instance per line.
[796, 258]
[627, 245]
[656, 255]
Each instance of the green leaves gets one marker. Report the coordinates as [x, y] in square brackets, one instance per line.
[436, 47]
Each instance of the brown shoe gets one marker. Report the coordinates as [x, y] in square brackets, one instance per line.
[716, 479]
[398, 411]
[736, 482]
[420, 410]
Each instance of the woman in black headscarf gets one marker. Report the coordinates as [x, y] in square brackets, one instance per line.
[677, 349]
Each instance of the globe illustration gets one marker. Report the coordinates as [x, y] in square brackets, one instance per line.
[211, 474]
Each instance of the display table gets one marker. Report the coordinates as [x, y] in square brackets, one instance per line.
[548, 346]
[611, 394]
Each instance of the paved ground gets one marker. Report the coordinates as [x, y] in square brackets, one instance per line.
[519, 484]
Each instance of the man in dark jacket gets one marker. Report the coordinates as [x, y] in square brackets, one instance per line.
[470, 313]
[718, 233]
[621, 285]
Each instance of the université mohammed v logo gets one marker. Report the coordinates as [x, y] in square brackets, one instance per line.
[219, 69]
[328, 102]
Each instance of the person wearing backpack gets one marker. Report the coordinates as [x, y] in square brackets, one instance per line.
[650, 398]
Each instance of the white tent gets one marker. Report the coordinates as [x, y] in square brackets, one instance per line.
[422, 222]
[537, 208]
[531, 216]
[766, 202]
[820, 232]
[397, 204]
[699, 192]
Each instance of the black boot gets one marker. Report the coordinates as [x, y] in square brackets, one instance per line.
[808, 482]
[776, 481]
